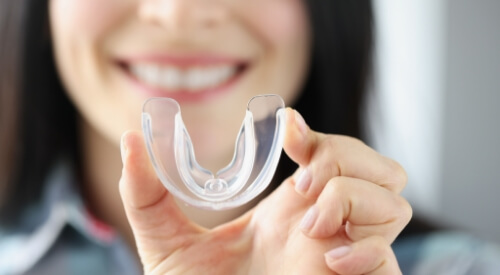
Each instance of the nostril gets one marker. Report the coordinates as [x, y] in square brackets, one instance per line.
[182, 14]
[212, 14]
[161, 12]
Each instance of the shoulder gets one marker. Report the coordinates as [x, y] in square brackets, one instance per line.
[447, 252]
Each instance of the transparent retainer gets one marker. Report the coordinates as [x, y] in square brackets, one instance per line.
[257, 151]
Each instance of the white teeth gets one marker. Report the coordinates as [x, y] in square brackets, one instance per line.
[171, 78]
[151, 73]
[195, 79]
[191, 79]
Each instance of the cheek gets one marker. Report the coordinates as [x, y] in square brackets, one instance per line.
[80, 30]
[279, 21]
[87, 18]
[282, 28]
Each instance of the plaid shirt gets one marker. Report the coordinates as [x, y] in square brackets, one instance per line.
[59, 236]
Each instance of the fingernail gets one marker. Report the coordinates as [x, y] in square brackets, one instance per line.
[123, 149]
[303, 181]
[309, 218]
[337, 253]
[301, 123]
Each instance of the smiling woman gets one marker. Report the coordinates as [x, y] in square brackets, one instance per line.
[113, 55]
[85, 69]
[74, 76]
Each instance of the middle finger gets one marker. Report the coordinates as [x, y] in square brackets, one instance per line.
[366, 209]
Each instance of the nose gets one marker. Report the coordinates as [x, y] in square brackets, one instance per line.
[183, 15]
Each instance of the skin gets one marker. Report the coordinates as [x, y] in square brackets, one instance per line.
[89, 36]
[344, 194]
[358, 210]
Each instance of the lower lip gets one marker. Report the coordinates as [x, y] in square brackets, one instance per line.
[186, 96]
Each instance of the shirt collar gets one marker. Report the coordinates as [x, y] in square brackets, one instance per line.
[62, 192]
[61, 205]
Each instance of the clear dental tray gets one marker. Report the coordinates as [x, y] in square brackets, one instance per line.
[257, 151]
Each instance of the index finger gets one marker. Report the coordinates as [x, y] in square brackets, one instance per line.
[322, 157]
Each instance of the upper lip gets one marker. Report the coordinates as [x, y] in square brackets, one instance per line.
[182, 61]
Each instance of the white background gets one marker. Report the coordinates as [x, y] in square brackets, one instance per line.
[436, 106]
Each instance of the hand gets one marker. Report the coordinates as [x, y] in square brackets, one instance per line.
[350, 190]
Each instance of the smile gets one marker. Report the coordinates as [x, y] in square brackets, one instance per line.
[194, 79]
[184, 79]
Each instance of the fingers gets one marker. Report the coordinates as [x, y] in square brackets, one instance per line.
[372, 256]
[157, 223]
[355, 194]
[364, 208]
[322, 157]
[300, 142]
[139, 185]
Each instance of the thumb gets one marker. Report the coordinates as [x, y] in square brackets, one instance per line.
[300, 142]
[158, 225]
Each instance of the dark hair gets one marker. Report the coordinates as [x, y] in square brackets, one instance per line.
[342, 42]
[340, 65]
[37, 121]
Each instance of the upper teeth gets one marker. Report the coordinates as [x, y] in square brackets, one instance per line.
[176, 79]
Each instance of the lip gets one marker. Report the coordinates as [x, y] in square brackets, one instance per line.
[183, 62]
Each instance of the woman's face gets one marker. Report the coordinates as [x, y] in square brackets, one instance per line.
[211, 56]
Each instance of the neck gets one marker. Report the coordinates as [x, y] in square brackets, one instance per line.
[101, 169]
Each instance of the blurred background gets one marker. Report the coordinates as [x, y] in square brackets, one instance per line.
[435, 106]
